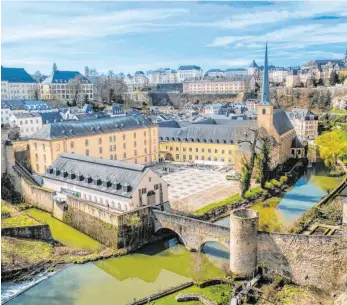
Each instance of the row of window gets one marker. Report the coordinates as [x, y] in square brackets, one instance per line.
[108, 203]
[202, 150]
[190, 157]
[26, 122]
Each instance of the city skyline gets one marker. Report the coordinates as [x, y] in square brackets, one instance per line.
[130, 36]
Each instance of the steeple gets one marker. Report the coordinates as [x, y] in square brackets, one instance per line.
[265, 92]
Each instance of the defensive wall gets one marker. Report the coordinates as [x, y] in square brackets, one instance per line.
[41, 232]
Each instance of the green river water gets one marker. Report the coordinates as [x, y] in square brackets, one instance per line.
[118, 281]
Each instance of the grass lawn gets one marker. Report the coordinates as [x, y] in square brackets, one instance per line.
[23, 251]
[269, 219]
[18, 221]
[326, 183]
[228, 201]
[7, 208]
[214, 293]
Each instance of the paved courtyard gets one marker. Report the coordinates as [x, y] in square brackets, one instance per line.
[192, 188]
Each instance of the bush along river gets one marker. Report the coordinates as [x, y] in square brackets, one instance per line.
[275, 214]
[120, 280]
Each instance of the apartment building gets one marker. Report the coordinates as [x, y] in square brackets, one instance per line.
[213, 86]
[305, 123]
[236, 73]
[17, 84]
[66, 86]
[190, 71]
[215, 73]
[115, 185]
[127, 138]
[28, 122]
[162, 76]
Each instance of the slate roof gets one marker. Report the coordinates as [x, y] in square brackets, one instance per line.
[51, 117]
[209, 121]
[89, 127]
[208, 133]
[302, 114]
[172, 124]
[214, 70]
[96, 173]
[64, 77]
[189, 67]
[296, 143]
[16, 75]
[235, 69]
[139, 72]
[281, 122]
[26, 115]
[90, 116]
[12, 104]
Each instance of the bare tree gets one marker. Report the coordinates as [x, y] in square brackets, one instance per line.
[110, 90]
[74, 88]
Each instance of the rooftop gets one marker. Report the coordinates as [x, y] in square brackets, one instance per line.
[189, 67]
[26, 115]
[114, 177]
[89, 127]
[64, 77]
[15, 75]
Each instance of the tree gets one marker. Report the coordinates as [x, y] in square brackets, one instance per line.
[74, 88]
[246, 176]
[110, 90]
[265, 160]
[334, 78]
[86, 99]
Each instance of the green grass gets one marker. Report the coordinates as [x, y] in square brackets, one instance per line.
[63, 233]
[19, 221]
[7, 208]
[22, 251]
[214, 293]
[228, 201]
[339, 111]
[326, 183]
[269, 220]
[252, 193]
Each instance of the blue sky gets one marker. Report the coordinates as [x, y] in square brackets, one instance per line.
[129, 36]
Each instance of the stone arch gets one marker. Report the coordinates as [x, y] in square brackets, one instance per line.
[220, 252]
[168, 157]
[168, 230]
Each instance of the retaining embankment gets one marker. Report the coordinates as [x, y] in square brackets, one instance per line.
[41, 232]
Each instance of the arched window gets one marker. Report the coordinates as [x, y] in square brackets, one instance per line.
[264, 111]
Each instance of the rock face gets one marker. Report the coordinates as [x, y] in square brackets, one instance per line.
[243, 242]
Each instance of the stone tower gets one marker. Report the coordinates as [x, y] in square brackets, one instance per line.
[243, 242]
[265, 108]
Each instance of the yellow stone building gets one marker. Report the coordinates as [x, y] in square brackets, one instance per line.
[128, 138]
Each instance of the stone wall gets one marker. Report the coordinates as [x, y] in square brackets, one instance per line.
[193, 233]
[33, 232]
[319, 261]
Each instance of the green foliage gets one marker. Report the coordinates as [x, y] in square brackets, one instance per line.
[269, 186]
[246, 176]
[254, 193]
[283, 180]
[8, 192]
[228, 201]
[275, 183]
[265, 160]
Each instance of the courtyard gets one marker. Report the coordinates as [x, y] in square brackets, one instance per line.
[192, 187]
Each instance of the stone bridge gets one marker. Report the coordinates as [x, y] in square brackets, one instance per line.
[192, 232]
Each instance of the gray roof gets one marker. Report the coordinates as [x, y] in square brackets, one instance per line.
[302, 114]
[209, 133]
[89, 127]
[96, 173]
[281, 122]
[296, 143]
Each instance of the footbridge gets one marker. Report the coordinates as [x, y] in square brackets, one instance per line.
[193, 233]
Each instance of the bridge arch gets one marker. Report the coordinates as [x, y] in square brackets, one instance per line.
[169, 231]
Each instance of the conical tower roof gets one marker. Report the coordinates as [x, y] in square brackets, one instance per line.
[265, 92]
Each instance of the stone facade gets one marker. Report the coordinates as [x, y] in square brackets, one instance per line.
[33, 232]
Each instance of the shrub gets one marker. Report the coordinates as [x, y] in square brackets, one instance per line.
[275, 183]
[269, 186]
[283, 180]
[228, 201]
[254, 193]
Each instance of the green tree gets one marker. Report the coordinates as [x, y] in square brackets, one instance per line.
[265, 160]
[246, 176]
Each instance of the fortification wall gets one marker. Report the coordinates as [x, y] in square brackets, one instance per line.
[33, 232]
[319, 261]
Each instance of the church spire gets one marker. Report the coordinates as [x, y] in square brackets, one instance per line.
[265, 92]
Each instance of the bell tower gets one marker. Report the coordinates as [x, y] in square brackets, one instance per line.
[265, 109]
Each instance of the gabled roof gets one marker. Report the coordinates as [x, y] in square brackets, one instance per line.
[253, 64]
[16, 75]
[189, 67]
[302, 114]
[114, 172]
[82, 128]
[64, 77]
[281, 122]
[296, 143]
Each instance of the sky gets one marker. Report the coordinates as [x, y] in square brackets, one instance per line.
[131, 36]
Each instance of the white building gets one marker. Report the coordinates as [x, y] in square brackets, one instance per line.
[17, 84]
[278, 75]
[305, 123]
[251, 105]
[138, 81]
[65, 86]
[162, 76]
[236, 73]
[28, 122]
[213, 86]
[215, 73]
[190, 71]
[116, 185]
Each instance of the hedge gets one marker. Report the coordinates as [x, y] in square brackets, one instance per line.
[254, 192]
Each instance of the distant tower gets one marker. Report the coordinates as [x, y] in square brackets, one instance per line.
[265, 108]
[55, 68]
[243, 242]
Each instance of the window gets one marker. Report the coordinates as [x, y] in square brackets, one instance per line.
[44, 147]
[135, 152]
[223, 151]
[216, 151]
[146, 159]
[209, 150]
[114, 147]
[196, 149]
[143, 191]
[177, 149]
[37, 168]
[111, 157]
[115, 157]
[203, 158]
[202, 149]
[134, 143]
[177, 156]
[110, 138]
[184, 157]
[196, 157]
[114, 138]
[124, 155]
[100, 150]
[72, 145]
[36, 157]
[87, 152]
[190, 157]
[145, 150]
[184, 149]
[110, 147]
[156, 187]
[124, 145]
[134, 135]
[44, 158]
[264, 111]
[229, 152]
[150, 179]
[144, 133]
[145, 141]
[100, 141]
[123, 137]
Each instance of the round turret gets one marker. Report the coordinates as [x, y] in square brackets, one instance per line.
[243, 242]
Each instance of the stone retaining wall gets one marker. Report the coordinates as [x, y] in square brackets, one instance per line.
[33, 232]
